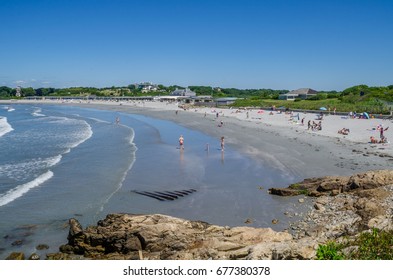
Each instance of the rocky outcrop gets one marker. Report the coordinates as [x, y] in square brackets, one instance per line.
[341, 207]
[333, 185]
[125, 236]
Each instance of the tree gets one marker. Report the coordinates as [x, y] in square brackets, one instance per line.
[28, 91]
[5, 91]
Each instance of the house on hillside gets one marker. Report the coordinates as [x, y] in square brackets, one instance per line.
[302, 93]
[146, 87]
[183, 92]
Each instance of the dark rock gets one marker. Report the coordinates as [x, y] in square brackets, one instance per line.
[16, 256]
[42, 247]
[17, 243]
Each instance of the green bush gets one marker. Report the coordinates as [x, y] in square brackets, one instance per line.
[330, 251]
[374, 245]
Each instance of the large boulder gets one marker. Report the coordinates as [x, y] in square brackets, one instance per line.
[333, 185]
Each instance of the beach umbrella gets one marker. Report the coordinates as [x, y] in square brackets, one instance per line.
[323, 109]
[366, 115]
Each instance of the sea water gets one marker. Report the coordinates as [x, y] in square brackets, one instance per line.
[61, 162]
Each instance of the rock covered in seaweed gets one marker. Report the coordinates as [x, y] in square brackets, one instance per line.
[332, 185]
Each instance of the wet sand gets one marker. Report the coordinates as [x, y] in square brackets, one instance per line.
[277, 141]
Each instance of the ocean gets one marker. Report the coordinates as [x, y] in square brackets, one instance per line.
[59, 162]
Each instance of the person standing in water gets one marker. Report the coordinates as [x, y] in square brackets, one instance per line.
[222, 143]
[181, 142]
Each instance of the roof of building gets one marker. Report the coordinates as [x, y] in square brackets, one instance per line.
[183, 92]
[225, 99]
[303, 91]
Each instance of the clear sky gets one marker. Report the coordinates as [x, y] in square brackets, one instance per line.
[278, 44]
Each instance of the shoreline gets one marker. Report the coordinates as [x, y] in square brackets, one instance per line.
[273, 139]
[277, 142]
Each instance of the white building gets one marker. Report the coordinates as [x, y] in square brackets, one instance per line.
[302, 93]
[18, 92]
[183, 92]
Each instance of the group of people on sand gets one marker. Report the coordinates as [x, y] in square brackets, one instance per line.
[314, 126]
[382, 137]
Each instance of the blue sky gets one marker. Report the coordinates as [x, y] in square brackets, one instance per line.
[278, 44]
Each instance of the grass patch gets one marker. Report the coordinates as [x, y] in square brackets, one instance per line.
[295, 186]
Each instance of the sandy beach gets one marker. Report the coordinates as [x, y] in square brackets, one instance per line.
[283, 152]
[275, 138]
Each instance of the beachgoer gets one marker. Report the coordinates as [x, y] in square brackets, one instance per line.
[181, 142]
[117, 120]
[381, 130]
[222, 143]
[344, 131]
[303, 121]
[309, 125]
[319, 125]
[221, 124]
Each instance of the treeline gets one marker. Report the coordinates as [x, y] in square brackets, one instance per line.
[234, 92]
[359, 93]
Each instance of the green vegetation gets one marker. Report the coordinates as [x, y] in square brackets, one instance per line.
[360, 98]
[374, 245]
[330, 251]
[375, 100]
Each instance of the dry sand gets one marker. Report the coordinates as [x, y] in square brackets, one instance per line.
[276, 139]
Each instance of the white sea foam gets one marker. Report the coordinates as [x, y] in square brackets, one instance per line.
[37, 113]
[79, 135]
[83, 135]
[20, 190]
[22, 170]
[5, 127]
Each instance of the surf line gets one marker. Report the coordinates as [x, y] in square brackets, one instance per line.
[20, 190]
